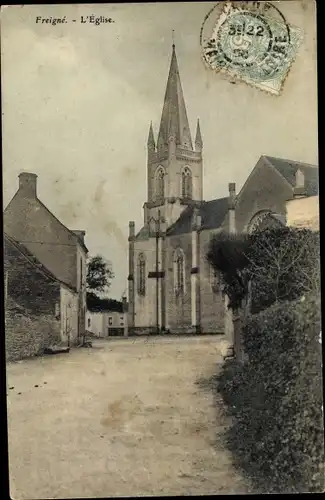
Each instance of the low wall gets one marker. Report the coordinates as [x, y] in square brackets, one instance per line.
[27, 334]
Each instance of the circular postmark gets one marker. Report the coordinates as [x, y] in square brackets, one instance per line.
[249, 39]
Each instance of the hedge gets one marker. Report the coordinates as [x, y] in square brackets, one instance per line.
[280, 263]
[277, 436]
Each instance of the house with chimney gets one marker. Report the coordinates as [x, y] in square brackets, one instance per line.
[40, 310]
[59, 250]
[171, 286]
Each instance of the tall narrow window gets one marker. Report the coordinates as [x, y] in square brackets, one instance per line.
[141, 275]
[179, 272]
[81, 275]
[160, 183]
[186, 183]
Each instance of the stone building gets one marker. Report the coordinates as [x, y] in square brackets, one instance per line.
[171, 286]
[61, 251]
[40, 310]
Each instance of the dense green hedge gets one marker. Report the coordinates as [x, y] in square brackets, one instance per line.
[276, 399]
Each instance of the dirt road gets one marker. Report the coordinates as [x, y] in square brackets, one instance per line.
[125, 418]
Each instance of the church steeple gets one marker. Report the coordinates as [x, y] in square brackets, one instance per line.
[198, 137]
[174, 122]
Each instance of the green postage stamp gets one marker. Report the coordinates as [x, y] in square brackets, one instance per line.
[250, 41]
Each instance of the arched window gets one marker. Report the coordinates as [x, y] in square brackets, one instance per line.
[187, 183]
[141, 275]
[264, 220]
[160, 183]
[179, 272]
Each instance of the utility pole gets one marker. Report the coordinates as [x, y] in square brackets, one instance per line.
[157, 270]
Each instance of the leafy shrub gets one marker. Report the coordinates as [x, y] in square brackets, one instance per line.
[280, 264]
[276, 400]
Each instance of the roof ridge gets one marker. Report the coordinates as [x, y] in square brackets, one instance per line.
[287, 160]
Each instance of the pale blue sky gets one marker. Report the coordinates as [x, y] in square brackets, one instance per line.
[78, 100]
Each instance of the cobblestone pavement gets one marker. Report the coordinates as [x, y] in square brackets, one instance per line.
[124, 418]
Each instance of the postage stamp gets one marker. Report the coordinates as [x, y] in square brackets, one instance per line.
[250, 41]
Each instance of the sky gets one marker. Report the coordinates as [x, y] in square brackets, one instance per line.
[77, 101]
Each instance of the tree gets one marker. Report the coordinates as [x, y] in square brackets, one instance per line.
[99, 275]
[269, 266]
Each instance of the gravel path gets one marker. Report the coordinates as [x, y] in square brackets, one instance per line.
[122, 419]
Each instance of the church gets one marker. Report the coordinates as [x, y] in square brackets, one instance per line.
[171, 286]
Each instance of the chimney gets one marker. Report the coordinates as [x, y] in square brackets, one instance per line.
[80, 234]
[28, 184]
[299, 189]
[232, 194]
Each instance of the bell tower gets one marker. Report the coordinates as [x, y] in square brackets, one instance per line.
[174, 167]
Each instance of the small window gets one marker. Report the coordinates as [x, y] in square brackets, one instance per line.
[110, 321]
[57, 310]
[89, 321]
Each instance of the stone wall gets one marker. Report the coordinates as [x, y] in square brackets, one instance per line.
[32, 309]
[28, 334]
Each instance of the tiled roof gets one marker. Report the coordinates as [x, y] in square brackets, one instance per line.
[33, 260]
[288, 169]
[212, 216]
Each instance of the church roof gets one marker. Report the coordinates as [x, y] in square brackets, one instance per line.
[143, 234]
[174, 120]
[212, 214]
[288, 169]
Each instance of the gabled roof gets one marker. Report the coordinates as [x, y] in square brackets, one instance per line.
[71, 232]
[174, 121]
[52, 215]
[212, 213]
[288, 169]
[143, 234]
[34, 261]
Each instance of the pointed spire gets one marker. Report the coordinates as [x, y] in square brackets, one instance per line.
[198, 137]
[151, 139]
[174, 122]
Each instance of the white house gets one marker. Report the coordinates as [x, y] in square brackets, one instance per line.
[107, 323]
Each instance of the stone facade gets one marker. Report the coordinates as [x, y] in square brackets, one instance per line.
[31, 305]
[40, 310]
[60, 250]
[171, 285]
[28, 333]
